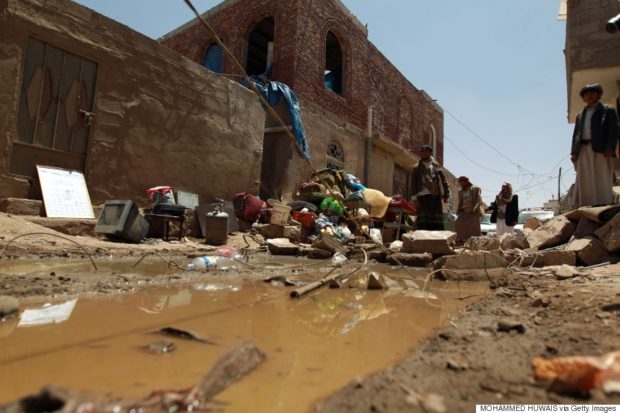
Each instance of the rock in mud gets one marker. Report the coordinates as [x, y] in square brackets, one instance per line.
[9, 307]
[506, 326]
[228, 369]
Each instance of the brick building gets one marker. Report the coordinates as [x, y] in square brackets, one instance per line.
[320, 50]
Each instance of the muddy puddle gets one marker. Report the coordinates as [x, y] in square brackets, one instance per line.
[314, 344]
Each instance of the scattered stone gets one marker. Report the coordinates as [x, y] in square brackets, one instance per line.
[512, 241]
[610, 234]
[446, 335]
[395, 246]
[540, 299]
[328, 243]
[590, 251]
[532, 223]
[554, 232]
[9, 307]
[435, 242]
[270, 231]
[410, 260]
[282, 246]
[509, 325]
[483, 243]
[565, 272]
[458, 362]
[315, 253]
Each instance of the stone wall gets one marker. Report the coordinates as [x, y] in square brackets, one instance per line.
[161, 119]
[401, 112]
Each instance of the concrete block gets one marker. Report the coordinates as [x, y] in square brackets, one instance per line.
[532, 223]
[411, 260]
[586, 227]
[554, 232]
[610, 234]
[512, 241]
[21, 206]
[282, 246]
[590, 251]
[470, 260]
[435, 242]
[557, 257]
[377, 255]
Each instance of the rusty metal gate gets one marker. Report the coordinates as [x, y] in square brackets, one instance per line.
[55, 110]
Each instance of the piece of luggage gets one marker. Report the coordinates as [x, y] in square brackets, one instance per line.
[248, 207]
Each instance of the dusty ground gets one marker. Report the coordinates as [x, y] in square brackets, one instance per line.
[468, 363]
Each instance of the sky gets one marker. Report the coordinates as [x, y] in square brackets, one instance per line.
[496, 67]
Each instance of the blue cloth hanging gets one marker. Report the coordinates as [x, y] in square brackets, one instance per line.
[273, 92]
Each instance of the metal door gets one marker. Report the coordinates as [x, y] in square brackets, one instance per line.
[55, 110]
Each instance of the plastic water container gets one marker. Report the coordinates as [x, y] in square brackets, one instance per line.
[280, 212]
[206, 263]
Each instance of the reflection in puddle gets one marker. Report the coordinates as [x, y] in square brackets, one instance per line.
[317, 343]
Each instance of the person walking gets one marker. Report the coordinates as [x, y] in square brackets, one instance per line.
[505, 210]
[469, 210]
[594, 142]
[429, 187]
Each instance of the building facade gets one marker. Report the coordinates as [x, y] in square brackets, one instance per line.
[80, 91]
[592, 53]
[347, 89]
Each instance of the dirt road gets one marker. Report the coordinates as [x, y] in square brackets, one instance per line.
[470, 362]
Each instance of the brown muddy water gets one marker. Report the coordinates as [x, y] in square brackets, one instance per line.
[314, 344]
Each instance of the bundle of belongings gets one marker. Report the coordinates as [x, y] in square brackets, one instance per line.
[344, 204]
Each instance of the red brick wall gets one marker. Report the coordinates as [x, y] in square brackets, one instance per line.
[301, 27]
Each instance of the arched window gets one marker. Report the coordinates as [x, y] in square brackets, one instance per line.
[260, 47]
[333, 64]
[335, 156]
[213, 58]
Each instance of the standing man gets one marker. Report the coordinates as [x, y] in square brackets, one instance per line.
[594, 142]
[429, 187]
[505, 210]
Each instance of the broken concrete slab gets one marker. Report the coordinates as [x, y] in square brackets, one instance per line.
[590, 251]
[565, 272]
[410, 260]
[610, 234]
[282, 246]
[69, 226]
[21, 206]
[435, 242]
[557, 257]
[554, 232]
[328, 243]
